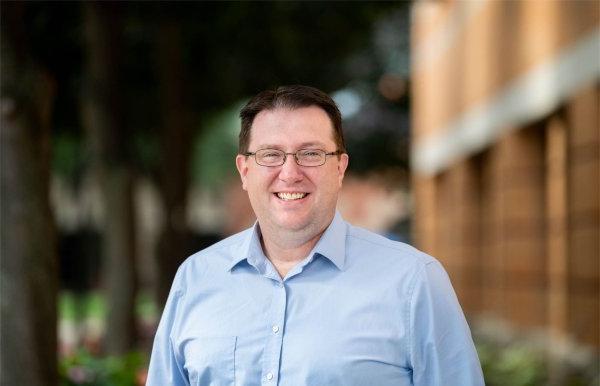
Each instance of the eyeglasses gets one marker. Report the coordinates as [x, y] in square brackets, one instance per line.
[303, 157]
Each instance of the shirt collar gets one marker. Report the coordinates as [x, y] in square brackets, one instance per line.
[331, 245]
[249, 248]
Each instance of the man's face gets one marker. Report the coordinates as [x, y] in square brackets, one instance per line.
[290, 130]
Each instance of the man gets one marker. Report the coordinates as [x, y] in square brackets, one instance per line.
[303, 298]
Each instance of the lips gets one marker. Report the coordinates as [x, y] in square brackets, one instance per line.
[291, 196]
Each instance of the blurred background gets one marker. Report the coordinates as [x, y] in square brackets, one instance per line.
[473, 129]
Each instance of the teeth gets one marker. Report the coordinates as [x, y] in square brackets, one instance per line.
[291, 196]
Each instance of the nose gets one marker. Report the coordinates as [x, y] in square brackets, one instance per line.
[290, 171]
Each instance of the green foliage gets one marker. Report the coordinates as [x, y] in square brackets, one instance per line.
[93, 305]
[229, 50]
[68, 159]
[75, 306]
[517, 365]
[85, 369]
[215, 148]
[256, 45]
[146, 307]
[67, 308]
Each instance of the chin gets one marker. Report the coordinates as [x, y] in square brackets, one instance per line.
[293, 224]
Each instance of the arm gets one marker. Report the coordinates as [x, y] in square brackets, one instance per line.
[441, 348]
[166, 366]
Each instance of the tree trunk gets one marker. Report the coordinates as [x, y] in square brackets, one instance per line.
[29, 275]
[109, 141]
[175, 152]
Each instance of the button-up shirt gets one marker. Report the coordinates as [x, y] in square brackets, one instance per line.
[358, 310]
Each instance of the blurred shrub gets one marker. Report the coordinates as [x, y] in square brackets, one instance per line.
[521, 363]
[516, 365]
[86, 369]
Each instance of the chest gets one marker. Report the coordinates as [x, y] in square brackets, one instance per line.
[324, 332]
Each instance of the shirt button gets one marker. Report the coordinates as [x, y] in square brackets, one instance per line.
[275, 329]
[269, 376]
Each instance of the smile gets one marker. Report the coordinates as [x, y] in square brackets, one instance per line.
[291, 196]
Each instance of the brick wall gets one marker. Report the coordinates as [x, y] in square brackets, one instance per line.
[506, 189]
[517, 226]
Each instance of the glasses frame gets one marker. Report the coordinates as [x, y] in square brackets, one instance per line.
[295, 154]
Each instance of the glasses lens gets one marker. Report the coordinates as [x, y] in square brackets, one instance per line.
[270, 157]
[311, 157]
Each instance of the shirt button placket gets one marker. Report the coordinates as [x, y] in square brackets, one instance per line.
[274, 341]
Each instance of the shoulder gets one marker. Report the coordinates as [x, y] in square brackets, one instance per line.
[394, 261]
[213, 258]
[374, 248]
[225, 246]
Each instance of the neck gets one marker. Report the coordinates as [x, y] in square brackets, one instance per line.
[286, 250]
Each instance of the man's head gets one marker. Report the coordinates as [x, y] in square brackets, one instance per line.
[290, 97]
[289, 198]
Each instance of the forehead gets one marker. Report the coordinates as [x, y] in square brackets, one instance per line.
[284, 127]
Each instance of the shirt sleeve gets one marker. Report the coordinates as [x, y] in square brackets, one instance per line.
[166, 367]
[441, 348]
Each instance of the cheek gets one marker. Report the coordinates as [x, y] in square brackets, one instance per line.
[253, 186]
[260, 181]
[328, 183]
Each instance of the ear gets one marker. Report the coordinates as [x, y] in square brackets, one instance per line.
[241, 162]
[342, 166]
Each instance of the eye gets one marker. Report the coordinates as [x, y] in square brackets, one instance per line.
[310, 153]
[271, 154]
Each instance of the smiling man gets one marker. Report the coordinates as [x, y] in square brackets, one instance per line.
[302, 297]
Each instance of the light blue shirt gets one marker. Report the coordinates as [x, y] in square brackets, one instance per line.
[359, 310]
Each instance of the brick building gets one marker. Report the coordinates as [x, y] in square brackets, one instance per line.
[505, 158]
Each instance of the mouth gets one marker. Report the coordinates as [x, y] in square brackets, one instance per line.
[291, 196]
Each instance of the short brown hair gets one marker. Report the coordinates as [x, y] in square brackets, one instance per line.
[292, 97]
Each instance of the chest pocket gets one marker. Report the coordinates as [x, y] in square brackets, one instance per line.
[210, 361]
